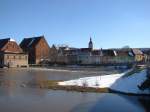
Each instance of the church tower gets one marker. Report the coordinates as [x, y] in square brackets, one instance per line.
[91, 43]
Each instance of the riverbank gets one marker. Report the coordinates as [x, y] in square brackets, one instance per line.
[127, 82]
[54, 85]
[101, 70]
[77, 80]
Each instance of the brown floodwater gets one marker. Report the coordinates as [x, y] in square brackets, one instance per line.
[15, 96]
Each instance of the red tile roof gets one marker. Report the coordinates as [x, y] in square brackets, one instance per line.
[3, 42]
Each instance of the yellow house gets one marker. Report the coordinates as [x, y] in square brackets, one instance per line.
[138, 54]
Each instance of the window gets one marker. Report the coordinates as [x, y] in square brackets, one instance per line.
[19, 57]
[26, 57]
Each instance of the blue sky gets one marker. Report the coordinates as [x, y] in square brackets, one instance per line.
[110, 23]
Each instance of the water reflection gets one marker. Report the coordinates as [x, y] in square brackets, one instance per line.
[14, 97]
[111, 103]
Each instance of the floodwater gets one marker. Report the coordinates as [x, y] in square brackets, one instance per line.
[17, 98]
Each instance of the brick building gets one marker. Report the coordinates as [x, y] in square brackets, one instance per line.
[37, 49]
[11, 55]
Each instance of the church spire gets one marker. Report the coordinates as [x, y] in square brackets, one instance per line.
[91, 43]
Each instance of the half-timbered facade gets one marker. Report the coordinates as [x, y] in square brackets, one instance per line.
[11, 55]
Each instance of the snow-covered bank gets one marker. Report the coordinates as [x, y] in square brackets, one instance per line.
[130, 84]
[95, 81]
[127, 84]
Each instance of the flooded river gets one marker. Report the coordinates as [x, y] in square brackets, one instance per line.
[17, 98]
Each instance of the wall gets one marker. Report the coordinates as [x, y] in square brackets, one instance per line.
[42, 51]
[15, 60]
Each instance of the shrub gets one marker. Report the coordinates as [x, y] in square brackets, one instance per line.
[84, 83]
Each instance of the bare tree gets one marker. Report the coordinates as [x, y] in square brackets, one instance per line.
[53, 54]
[84, 83]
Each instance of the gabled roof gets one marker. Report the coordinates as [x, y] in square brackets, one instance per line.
[108, 52]
[124, 52]
[137, 51]
[145, 50]
[30, 42]
[7, 49]
[3, 42]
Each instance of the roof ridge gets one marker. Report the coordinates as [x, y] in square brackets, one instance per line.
[35, 37]
[5, 39]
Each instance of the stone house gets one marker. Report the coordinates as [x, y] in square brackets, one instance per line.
[124, 56]
[62, 60]
[95, 58]
[67, 55]
[108, 56]
[83, 56]
[11, 55]
[146, 52]
[37, 49]
[72, 55]
[138, 55]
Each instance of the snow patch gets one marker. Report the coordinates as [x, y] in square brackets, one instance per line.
[127, 84]
[130, 84]
[12, 40]
[31, 41]
[95, 81]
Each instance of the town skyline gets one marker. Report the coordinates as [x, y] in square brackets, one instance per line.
[69, 46]
[74, 55]
[110, 24]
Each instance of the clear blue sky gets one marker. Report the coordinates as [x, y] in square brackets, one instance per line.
[110, 23]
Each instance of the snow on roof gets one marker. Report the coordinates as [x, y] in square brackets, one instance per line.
[12, 40]
[115, 53]
[31, 41]
[131, 54]
[137, 51]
